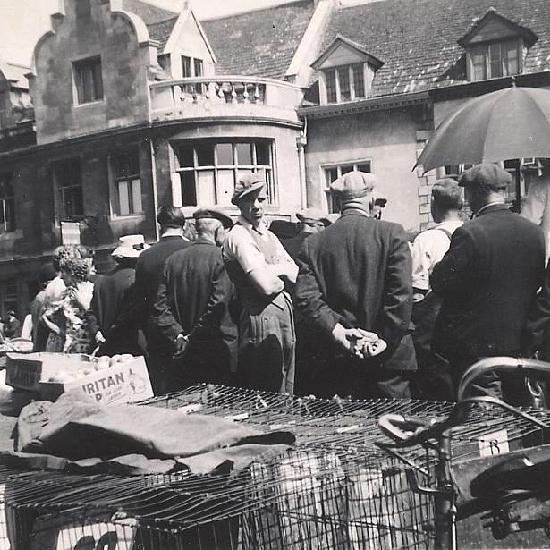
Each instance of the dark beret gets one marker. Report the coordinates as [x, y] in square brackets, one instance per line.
[488, 177]
[202, 213]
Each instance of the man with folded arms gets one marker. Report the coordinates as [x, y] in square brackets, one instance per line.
[258, 266]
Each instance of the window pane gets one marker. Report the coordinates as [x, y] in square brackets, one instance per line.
[72, 201]
[136, 196]
[358, 80]
[496, 60]
[345, 89]
[225, 186]
[88, 80]
[126, 164]
[224, 154]
[198, 67]
[206, 188]
[511, 62]
[331, 174]
[330, 83]
[347, 169]
[363, 167]
[262, 153]
[188, 190]
[205, 154]
[184, 154]
[479, 62]
[185, 66]
[244, 154]
[123, 198]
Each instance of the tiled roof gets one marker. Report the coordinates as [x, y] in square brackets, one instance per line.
[260, 42]
[161, 31]
[417, 39]
[148, 12]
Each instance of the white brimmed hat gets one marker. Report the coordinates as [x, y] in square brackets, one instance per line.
[130, 246]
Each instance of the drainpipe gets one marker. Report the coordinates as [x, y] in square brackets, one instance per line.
[154, 180]
[301, 142]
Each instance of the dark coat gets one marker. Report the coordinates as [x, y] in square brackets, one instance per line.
[488, 280]
[357, 272]
[194, 297]
[149, 269]
[113, 312]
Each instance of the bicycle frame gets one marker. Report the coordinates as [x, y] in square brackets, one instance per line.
[440, 431]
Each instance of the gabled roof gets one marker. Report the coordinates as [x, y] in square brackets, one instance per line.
[161, 31]
[15, 74]
[339, 40]
[259, 42]
[529, 37]
[148, 12]
[417, 39]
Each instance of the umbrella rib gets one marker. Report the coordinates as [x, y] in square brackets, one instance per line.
[493, 107]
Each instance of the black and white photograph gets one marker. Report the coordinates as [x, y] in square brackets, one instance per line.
[274, 274]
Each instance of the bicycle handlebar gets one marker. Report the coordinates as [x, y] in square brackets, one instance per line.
[502, 364]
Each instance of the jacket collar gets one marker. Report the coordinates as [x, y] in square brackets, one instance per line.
[202, 240]
[494, 207]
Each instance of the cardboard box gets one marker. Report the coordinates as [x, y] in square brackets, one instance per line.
[125, 382]
[25, 371]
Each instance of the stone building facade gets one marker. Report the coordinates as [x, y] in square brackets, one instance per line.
[128, 106]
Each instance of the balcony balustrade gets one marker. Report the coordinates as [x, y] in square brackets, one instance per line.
[224, 96]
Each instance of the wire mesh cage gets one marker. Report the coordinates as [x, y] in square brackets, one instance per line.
[336, 488]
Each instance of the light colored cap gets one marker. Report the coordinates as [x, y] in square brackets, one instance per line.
[353, 185]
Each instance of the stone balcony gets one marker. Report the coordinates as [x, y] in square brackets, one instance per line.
[225, 97]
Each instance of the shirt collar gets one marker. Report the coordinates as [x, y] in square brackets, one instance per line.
[261, 229]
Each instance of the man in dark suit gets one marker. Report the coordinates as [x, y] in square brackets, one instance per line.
[488, 279]
[355, 283]
[149, 269]
[193, 306]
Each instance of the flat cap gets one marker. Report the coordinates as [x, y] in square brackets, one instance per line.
[310, 215]
[202, 213]
[246, 184]
[353, 185]
[489, 177]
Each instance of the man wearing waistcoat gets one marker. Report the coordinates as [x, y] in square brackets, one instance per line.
[258, 265]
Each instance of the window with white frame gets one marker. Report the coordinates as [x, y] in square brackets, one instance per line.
[7, 204]
[88, 80]
[332, 173]
[126, 183]
[209, 169]
[495, 59]
[345, 83]
[67, 176]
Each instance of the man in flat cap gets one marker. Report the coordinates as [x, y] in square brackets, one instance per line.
[354, 288]
[192, 310]
[488, 280]
[259, 266]
[309, 222]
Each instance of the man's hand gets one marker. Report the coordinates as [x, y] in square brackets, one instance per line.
[181, 342]
[99, 338]
[359, 342]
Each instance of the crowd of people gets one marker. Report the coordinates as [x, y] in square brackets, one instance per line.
[347, 306]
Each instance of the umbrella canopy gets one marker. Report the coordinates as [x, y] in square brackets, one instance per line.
[506, 124]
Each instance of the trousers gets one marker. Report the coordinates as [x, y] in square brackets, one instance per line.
[266, 348]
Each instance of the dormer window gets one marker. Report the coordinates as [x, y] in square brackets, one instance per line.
[495, 47]
[345, 83]
[346, 72]
[495, 60]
